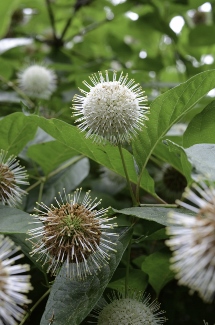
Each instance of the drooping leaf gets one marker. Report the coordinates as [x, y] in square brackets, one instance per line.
[157, 214]
[202, 157]
[71, 301]
[201, 128]
[156, 266]
[14, 221]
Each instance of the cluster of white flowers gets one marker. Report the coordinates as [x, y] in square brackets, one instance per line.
[37, 81]
[13, 285]
[193, 241]
[112, 110]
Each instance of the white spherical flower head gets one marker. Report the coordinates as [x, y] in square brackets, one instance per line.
[111, 110]
[13, 285]
[11, 176]
[37, 81]
[193, 241]
[76, 233]
[133, 310]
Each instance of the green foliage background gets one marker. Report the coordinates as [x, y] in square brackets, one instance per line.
[76, 39]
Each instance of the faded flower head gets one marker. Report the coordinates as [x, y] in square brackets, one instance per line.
[170, 183]
[37, 81]
[133, 310]
[111, 110]
[75, 232]
[13, 285]
[193, 241]
[11, 176]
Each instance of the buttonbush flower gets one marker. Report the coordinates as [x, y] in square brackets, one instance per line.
[75, 232]
[11, 175]
[205, 323]
[170, 183]
[111, 110]
[133, 310]
[193, 241]
[13, 286]
[37, 81]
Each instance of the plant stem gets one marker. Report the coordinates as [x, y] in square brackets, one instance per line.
[128, 267]
[41, 191]
[160, 205]
[67, 164]
[18, 91]
[134, 201]
[33, 185]
[51, 17]
[34, 306]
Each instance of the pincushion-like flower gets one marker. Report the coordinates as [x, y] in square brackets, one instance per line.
[13, 285]
[133, 310]
[37, 81]
[111, 110]
[193, 241]
[205, 323]
[11, 175]
[75, 232]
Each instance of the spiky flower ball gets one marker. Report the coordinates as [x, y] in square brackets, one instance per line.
[111, 110]
[37, 81]
[74, 232]
[11, 176]
[13, 284]
[133, 310]
[205, 323]
[193, 241]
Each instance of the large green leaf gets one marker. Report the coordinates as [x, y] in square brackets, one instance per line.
[201, 129]
[157, 214]
[202, 157]
[106, 155]
[156, 266]
[14, 221]
[71, 301]
[56, 152]
[15, 131]
[166, 110]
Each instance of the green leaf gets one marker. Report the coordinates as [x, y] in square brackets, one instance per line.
[54, 150]
[138, 280]
[202, 35]
[201, 128]
[14, 221]
[15, 131]
[106, 155]
[166, 110]
[6, 9]
[157, 214]
[68, 179]
[156, 266]
[70, 300]
[180, 153]
[202, 157]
